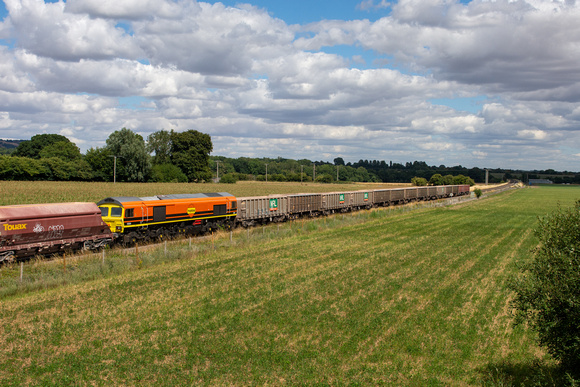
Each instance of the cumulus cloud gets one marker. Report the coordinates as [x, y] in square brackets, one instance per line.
[63, 36]
[262, 87]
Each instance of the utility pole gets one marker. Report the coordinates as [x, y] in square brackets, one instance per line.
[301, 172]
[115, 168]
[266, 173]
[314, 172]
[217, 163]
[337, 173]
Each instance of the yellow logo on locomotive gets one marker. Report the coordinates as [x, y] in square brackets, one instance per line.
[13, 227]
[191, 211]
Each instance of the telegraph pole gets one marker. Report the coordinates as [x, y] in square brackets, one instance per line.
[115, 168]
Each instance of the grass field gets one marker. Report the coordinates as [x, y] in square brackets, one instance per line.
[381, 297]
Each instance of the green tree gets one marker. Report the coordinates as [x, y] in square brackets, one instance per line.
[101, 162]
[22, 168]
[62, 170]
[461, 179]
[436, 179]
[448, 180]
[548, 289]
[159, 143]
[36, 144]
[190, 152]
[132, 157]
[167, 173]
[64, 150]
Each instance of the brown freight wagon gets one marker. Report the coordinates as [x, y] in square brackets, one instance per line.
[464, 189]
[362, 199]
[423, 193]
[382, 197]
[27, 230]
[411, 194]
[305, 204]
[254, 209]
[398, 196]
[335, 201]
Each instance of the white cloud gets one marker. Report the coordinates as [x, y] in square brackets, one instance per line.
[68, 37]
[262, 87]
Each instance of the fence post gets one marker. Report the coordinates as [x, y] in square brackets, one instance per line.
[64, 261]
[165, 248]
[231, 235]
[103, 256]
[21, 270]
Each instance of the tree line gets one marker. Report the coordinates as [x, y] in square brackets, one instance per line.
[180, 157]
[166, 156]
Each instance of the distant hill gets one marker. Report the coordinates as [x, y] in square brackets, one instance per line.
[9, 144]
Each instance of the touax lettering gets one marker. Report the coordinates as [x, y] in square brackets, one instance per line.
[12, 227]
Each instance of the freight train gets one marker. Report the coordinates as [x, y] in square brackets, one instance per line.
[41, 229]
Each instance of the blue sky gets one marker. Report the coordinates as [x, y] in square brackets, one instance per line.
[479, 83]
[304, 11]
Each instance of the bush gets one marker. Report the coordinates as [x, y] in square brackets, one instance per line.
[419, 181]
[325, 178]
[229, 178]
[548, 289]
[477, 193]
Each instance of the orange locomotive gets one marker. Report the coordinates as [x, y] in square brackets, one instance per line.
[134, 219]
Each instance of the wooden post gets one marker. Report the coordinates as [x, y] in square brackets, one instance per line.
[137, 255]
[103, 256]
[64, 261]
[231, 236]
[21, 270]
[165, 248]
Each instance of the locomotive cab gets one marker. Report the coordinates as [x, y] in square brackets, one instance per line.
[112, 214]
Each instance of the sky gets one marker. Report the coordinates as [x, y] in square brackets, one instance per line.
[482, 83]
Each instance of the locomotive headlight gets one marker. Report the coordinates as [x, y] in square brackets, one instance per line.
[118, 228]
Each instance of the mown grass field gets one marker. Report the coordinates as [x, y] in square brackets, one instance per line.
[381, 297]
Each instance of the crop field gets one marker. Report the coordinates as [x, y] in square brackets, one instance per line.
[380, 297]
[25, 192]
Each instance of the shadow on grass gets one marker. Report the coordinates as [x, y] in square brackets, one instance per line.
[527, 374]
